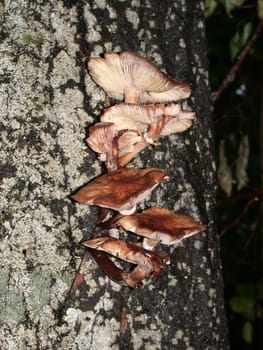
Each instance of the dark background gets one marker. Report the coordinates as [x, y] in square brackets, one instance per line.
[234, 32]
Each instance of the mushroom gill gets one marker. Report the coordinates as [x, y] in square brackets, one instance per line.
[133, 78]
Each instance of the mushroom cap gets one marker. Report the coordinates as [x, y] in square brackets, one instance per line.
[136, 116]
[162, 225]
[131, 74]
[130, 142]
[101, 136]
[121, 189]
[180, 123]
[130, 252]
[101, 140]
[127, 141]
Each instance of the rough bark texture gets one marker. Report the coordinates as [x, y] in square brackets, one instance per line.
[47, 102]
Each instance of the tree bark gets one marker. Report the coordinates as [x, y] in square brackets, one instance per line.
[47, 102]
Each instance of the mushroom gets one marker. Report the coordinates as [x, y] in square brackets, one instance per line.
[121, 189]
[149, 119]
[160, 225]
[102, 140]
[130, 142]
[149, 263]
[133, 78]
[180, 123]
[136, 116]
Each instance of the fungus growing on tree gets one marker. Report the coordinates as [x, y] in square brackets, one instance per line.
[102, 140]
[180, 123]
[130, 143]
[126, 129]
[149, 119]
[150, 263]
[160, 225]
[121, 189]
[133, 78]
[136, 116]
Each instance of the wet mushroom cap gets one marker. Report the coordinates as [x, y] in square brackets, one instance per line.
[130, 252]
[131, 76]
[121, 189]
[162, 225]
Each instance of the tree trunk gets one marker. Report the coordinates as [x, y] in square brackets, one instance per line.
[47, 102]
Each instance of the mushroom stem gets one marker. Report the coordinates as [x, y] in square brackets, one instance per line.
[156, 129]
[131, 95]
[138, 147]
[106, 265]
[134, 278]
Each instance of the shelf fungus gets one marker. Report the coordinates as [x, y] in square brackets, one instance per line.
[115, 148]
[132, 78]
[160, 225]
[147, 113]
[121, 189]
[149, 263]
[153, 120]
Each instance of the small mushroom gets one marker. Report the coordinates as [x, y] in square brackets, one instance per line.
[150, 263]
[180, 123]
[133, 78]
[130, 143]
[131, 278]
[102, 140]
[136, 116]
[121, 189]
[152, 120]
[160, 225]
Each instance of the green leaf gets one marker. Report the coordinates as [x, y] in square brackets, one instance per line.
[224, 173]
[260, 9]
[246, 289]
[27, 38]
[210, 7]
[231, 4]
[239, 40]
[247, 332]
[242, 162]
[243, 306]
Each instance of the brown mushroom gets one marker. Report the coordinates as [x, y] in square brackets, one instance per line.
[160, 225]
[149, 262]
[121, 189]
[133, 78]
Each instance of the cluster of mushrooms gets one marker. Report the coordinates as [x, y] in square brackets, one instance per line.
[125, 129]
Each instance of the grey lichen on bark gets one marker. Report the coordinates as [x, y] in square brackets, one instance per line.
[47, 102]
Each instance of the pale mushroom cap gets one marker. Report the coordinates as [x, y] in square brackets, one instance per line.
[127, 141]
[161, 225]
[101, 136]
[179, 92]
[134, 76]
[139, 117]
[121, 189]
[183, 121]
